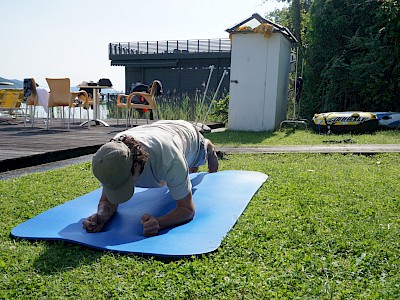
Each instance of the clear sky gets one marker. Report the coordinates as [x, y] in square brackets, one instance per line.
[69, 38]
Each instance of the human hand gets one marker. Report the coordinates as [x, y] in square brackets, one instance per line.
[150, 225]
[95, 223]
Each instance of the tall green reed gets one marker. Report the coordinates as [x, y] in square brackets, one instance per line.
[171, 106]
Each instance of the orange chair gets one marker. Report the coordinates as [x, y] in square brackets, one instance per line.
[150, 98]
[122, 105]
[86, 102]
[129, 105]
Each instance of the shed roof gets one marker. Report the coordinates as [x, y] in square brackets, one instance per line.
[276, 27]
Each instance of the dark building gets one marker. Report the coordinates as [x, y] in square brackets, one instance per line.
[181, 66]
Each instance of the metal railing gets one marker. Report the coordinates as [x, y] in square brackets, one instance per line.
[171, 46]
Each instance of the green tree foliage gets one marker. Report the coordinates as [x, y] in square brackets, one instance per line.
[352, 56]
[293, 17]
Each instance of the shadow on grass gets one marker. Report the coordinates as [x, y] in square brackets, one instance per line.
[288, 131]
[62, 256]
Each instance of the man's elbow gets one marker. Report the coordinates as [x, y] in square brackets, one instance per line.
[186, 206]
[190, 212]
[193, 211]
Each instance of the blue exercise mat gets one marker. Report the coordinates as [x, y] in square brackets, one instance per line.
[219, 198]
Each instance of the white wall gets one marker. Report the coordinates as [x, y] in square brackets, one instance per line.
[260, 66]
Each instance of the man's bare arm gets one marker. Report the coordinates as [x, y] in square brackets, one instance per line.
[182, 213]
[105, 211]
[105, 207]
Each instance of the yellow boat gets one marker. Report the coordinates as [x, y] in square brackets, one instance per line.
[348, 121]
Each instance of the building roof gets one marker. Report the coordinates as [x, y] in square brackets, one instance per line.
[276, 27]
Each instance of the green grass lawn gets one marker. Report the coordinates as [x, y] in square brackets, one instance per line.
[299, 137]
[322, 227]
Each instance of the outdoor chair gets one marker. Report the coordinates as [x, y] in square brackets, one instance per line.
[62, 96]
[122, 99]
[123, 106]
[10, 101]
[31, 98]
[85, 101]
[148, 102]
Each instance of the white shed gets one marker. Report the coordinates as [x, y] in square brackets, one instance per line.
[260, 63]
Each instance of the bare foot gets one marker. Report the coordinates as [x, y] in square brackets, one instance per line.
[212, 158]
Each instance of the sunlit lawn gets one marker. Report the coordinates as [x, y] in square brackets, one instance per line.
[322, 227]
[289, 136]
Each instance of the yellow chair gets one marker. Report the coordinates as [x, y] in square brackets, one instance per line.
[10, 101]
[61, 96]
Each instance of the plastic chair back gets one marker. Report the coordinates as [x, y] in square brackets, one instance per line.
[60, 94]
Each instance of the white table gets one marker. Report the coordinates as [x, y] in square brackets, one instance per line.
[96, 103]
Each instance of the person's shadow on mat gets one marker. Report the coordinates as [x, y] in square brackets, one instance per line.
[198, 179]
